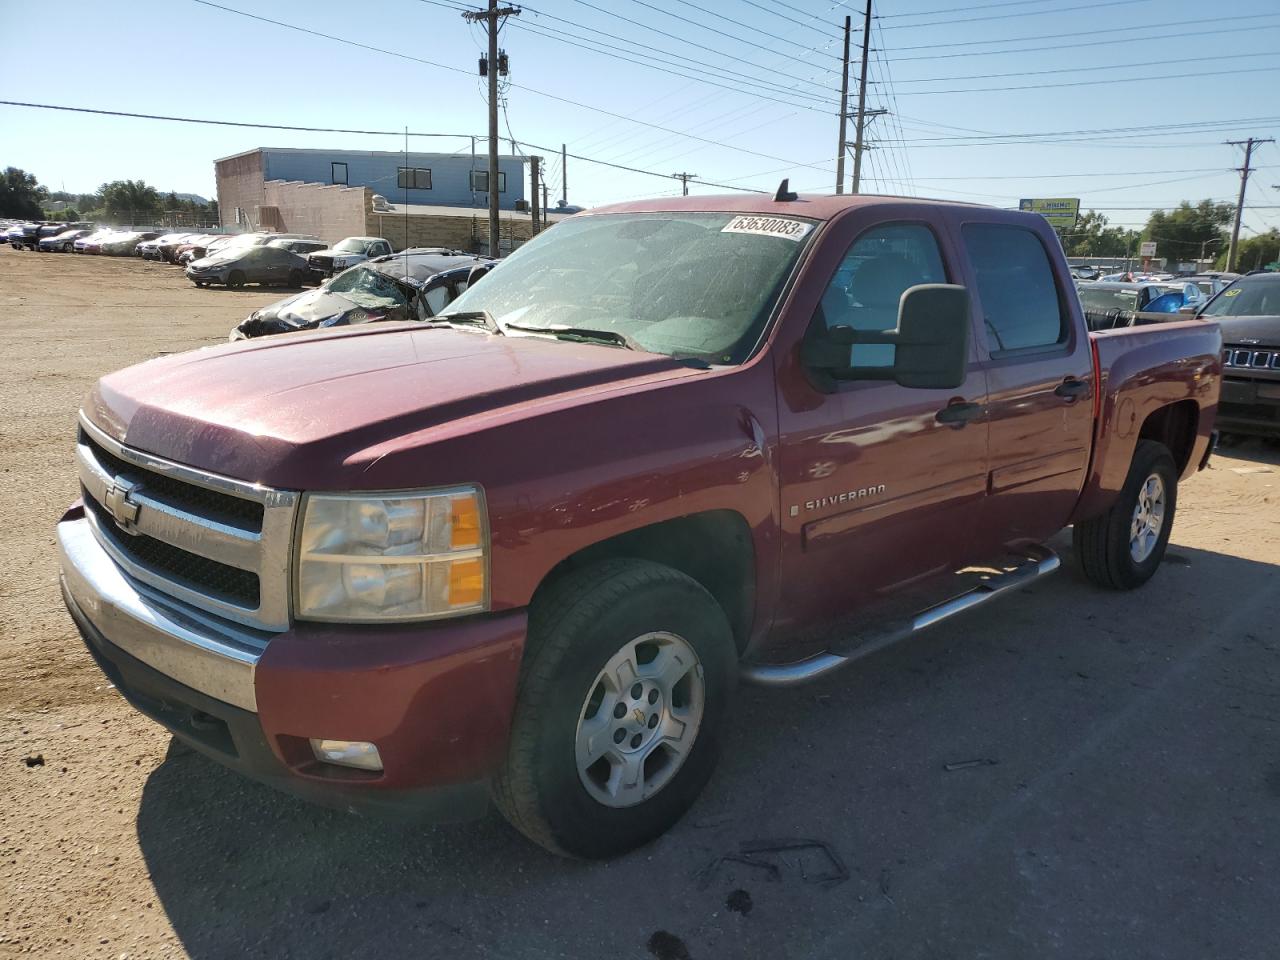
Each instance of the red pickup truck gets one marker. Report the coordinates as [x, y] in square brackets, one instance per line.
[526, 549]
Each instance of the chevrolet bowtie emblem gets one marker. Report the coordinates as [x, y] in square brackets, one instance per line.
[117, 503]
[639, 715]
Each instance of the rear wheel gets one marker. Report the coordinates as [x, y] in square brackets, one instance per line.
[629, 668]
[235, 279]
[1122, 548]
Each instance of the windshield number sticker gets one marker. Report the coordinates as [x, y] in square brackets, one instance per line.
[1232, 293]
[769, 227]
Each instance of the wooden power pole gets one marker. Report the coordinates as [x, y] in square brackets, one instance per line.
[1244, 182]
[535, 180]
[684, 179]
[844, 109]
[492, 18]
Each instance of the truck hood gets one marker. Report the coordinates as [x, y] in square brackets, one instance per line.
[269, 411]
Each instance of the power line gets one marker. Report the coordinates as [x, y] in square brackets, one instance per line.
[541, 93]
[984, 6]
[1115, 132]
[1110, 31]
[721, 16]
[1091, 83]
[1011, 16]
[380, 133]
[1086, 69]
[620, 55]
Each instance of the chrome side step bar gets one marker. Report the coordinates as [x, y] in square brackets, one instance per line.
[1041, 562]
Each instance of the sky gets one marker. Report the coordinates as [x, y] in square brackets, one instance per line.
[1125, 104]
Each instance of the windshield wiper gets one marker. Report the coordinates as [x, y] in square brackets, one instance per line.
[471, 316]
[584, 335]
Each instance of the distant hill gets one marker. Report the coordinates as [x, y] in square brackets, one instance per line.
[193, 197]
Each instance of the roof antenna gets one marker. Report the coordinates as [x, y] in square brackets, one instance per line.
[784, 192]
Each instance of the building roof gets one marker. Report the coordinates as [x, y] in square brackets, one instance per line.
[481, 156]
[434, 210]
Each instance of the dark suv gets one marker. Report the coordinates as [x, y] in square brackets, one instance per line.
[1249, 313]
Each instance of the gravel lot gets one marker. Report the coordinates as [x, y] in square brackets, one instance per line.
[1130, 808]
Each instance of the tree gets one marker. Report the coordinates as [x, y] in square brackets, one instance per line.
[20, 194]
[130, 200]
[1254, 253]
[1091, 237]
[1182, 233]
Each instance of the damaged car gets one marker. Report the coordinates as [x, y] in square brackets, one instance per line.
[368, 293]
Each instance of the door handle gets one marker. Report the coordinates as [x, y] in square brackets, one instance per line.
[958, 413]
[1072, 389]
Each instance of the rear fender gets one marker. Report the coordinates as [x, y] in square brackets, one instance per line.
[1142, 371]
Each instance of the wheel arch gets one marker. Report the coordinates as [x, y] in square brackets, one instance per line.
[1175, 425]
[715, 548]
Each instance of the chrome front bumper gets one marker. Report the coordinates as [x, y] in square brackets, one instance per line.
[195, 648]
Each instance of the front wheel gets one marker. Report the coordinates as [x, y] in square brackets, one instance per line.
[1122, 548]
[629, 670]
[235, 280]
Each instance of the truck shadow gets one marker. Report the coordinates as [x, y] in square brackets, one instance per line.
[1256, 449]
[969, 779]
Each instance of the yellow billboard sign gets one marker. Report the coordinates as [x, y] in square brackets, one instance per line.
[1059, 211]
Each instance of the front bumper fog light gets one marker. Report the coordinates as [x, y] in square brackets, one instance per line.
[348, 753]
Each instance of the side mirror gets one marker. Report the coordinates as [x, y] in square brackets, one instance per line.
[930, 344]
[476, 272]
[1189, 310]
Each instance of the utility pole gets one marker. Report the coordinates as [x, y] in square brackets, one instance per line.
[544, 204]
[1244, 182]
[534, 179]
[844, 109]
[564, 177]
[684, 179]
[862, 102]
[492, 19]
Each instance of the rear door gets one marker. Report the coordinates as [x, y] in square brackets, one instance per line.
[1039, 380]
[876, 492]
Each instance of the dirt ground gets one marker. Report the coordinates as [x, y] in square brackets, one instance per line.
[1125, 801]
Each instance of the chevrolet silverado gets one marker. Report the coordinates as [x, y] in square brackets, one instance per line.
[526, 549]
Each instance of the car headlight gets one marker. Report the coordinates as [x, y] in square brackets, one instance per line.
[408, 556]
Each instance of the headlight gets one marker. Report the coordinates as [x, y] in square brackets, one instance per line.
[398, 557]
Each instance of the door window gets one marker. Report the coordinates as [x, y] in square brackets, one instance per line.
[1020, 304]
[868, 285]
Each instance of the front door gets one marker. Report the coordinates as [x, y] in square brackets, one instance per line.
[876, 493]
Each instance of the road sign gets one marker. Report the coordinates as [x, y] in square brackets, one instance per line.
[1059, 211]
[1148, 249]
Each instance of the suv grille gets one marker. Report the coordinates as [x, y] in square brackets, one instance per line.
[211, 542]
[1251, 358]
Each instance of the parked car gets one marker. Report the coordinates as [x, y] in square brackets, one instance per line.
[391, 288]
[89, 243]
[1107, 305]
[346, 253]
[12, 233]
[27, 236]
[123, 244]
[62, 242]
[296, 245]
[1248, 311]
[237, 264]
[1086, 272]
[1211, 283]
[531, 547]
[154, 249]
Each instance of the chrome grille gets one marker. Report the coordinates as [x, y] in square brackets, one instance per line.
[218, 544]
[1251, 358]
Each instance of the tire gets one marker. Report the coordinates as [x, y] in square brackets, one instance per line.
[591, 618]
[235, 280]
[198, 283]
[1123, 548]
[295, 278]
